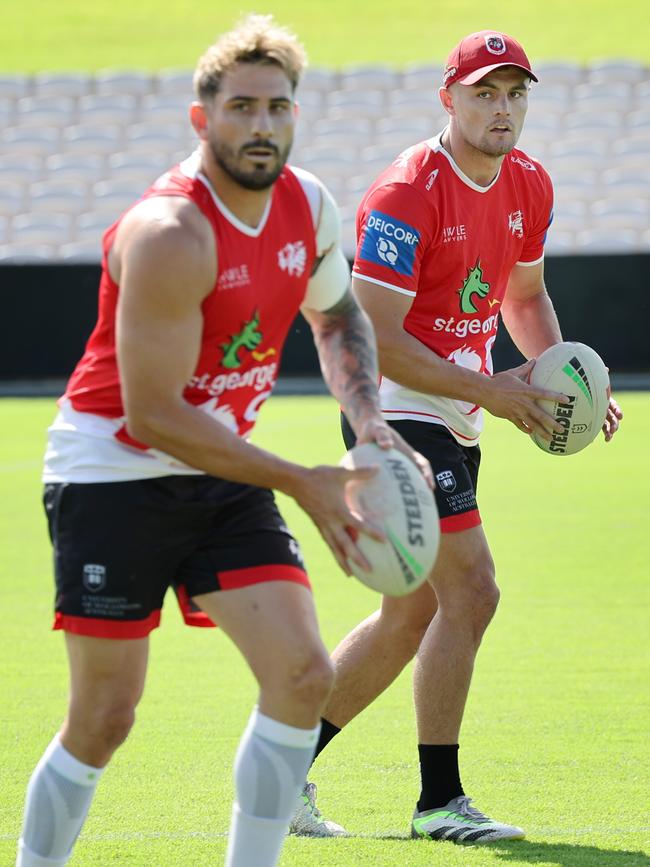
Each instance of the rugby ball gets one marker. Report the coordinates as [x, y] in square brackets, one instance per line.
[579, 372]
[399, 501]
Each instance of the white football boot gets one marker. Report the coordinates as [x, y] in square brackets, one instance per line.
[307, 820]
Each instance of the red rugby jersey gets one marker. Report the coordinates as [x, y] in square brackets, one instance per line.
[261, 282]
[428, 231]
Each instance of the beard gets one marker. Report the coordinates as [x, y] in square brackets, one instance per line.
[260, 176]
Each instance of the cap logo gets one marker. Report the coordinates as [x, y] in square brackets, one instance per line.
[451, 70]
[495, 44]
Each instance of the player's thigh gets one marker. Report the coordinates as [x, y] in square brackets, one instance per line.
[105, 672]
[414, 611]
[464, 567]
[272, 623]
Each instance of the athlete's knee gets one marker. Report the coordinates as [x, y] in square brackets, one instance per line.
[104, 727]
[403, 624]
[310, 677]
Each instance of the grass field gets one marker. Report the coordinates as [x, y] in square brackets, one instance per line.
[149, 34]
[556, 731]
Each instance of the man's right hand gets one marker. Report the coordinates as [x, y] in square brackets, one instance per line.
[320, 491]
[509, 395]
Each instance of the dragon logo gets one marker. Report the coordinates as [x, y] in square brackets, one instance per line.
[248, 338]
[473, 285]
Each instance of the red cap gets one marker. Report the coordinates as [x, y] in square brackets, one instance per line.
[480, 53]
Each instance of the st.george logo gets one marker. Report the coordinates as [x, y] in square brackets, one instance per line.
[473, 286]
[248, 338]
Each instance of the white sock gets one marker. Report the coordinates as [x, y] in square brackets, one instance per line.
[270, 769]
[58, 798]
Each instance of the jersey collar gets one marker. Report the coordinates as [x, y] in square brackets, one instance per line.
[190, 167]
[435, 144]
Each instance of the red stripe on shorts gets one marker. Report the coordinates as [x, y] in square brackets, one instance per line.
[192, 614]
[456, 523]
[97, 628]
[233, 579]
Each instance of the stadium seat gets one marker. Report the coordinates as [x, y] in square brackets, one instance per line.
[559, 242]
[22, 252]
[583, 182]
[594, 120]
[7, 112]
[141, 168]
[369, 78]
[348, 237]
[569, 214]
[608, 241]
[634, 145]
[641, 92]
[119, 82]
[58, 197]
[359, 103]
[164, 108]
[638, 119]
[21, 168]
[108, 109]
[90, 227]
[422, 76]
[81, 251]
[48, 229]
[603, 71]
[621, 211]
[43, 111]
[14, 86]
[417, 101]
[593, 152]
[559, 72]
[87, 168]
[39, 141]
[13, 199]
[175, 81]
[628, 178]
[54, 85]
[156, 137]
[320, 78]
[92, 139]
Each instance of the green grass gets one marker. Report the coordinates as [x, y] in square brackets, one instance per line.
[148, 34]
[556, 731]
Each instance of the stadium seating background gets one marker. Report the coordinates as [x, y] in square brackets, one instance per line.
[75, 149]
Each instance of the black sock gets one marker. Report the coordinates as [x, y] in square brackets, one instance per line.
[327, 732]
[440, 775]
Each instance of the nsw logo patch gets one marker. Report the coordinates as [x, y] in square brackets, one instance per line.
[389, 241]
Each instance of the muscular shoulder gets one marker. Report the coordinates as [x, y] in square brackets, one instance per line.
[170, 234]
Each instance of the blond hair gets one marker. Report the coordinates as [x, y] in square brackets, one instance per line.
[256, 39]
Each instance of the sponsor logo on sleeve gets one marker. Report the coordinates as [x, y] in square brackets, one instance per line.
[389, 241]
[447, 481]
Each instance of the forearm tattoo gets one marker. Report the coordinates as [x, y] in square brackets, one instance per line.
[348, 356]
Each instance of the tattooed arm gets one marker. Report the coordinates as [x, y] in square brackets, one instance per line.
[348, 358]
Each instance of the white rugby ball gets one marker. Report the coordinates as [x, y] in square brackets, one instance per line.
[579, 372]
[399, 501]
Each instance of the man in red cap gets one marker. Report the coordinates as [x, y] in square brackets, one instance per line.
[450, 239]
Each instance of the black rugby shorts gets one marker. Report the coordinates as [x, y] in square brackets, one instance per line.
[119, 546]
[455, 469]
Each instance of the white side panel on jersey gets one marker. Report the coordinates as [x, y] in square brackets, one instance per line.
[332, 278]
